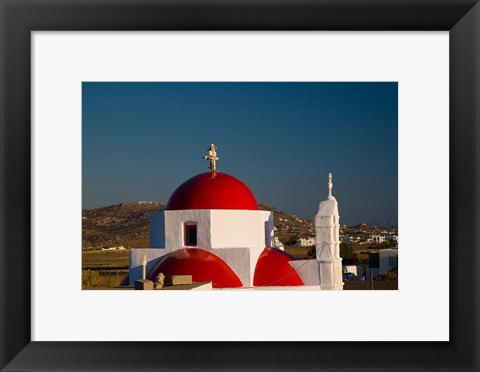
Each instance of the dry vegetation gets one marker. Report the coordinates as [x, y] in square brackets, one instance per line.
[101, 278]
[301, 253]
[106, 260]
[104, 268]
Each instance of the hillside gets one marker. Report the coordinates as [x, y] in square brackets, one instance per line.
[289, 227]
[124, 224]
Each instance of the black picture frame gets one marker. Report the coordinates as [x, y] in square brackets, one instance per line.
[19, 17]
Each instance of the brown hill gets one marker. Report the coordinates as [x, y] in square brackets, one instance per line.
[124, 224]
[289, 227]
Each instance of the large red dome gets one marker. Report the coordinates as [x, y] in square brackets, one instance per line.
[212, 190]
[201, 264]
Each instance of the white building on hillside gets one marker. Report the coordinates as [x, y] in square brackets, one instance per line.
[388, 259]
[305, 242]
[376, 239]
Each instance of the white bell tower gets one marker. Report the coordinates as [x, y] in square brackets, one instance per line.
[327, 231]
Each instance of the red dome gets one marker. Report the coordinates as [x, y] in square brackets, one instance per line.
[212, 190]
[273, 269]
[201, 264]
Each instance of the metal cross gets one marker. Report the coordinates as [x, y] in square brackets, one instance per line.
[212, 157]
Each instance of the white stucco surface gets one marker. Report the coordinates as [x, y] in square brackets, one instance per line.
[136, 257]
[241, 228]
[254, 255]
[242, 261]
[308, 270]
[175, 223]
[327, 234]
[216, 228]
[328, 207]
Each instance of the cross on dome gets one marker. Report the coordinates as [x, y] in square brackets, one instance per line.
[330, 184]
[212, 157]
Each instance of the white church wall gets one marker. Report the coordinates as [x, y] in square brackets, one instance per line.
[238, 228]
[136, 258]
[242, 261]
[331, 275]
[239, 261]
[325, 250]
[157, 229]
[175, 225]
[337, 275]
[254, 255]
[308, 270]
[325, 229]
[327, 275]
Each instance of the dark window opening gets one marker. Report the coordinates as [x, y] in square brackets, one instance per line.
[191, 235]
[374, 260]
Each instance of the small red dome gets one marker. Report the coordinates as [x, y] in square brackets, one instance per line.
[212, 190]
[273, 269]
[201, 264]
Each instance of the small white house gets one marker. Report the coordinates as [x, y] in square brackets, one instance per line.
[382, 262]
[351, 272]
[305, 242]
[376, 239]
[388, 260]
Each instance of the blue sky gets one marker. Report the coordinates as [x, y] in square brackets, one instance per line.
[141, 140]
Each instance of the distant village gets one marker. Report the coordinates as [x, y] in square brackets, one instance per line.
[368, 252]
[361, 234]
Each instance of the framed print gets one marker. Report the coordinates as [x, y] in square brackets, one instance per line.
[54, 66]
[281, 96]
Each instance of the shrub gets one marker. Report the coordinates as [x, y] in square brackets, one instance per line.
[391, 276]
